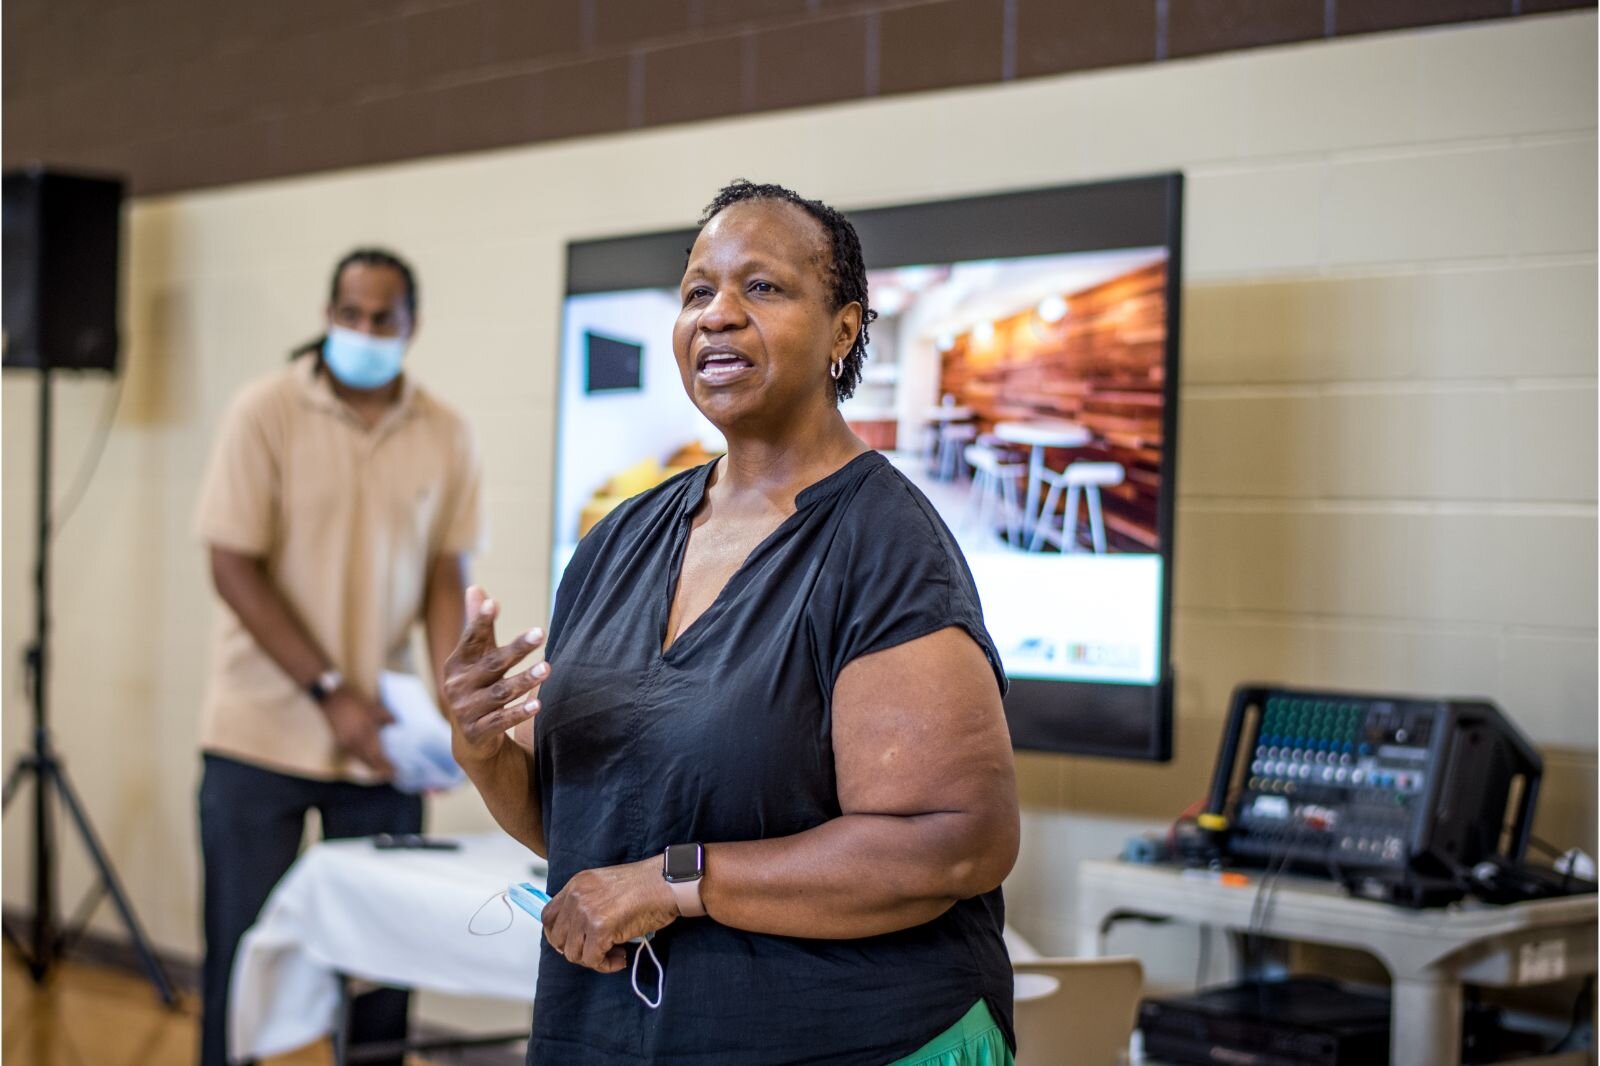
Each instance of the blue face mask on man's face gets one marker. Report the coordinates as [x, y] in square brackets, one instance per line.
[360, 360]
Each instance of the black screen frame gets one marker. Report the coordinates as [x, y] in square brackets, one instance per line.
[1125, 721]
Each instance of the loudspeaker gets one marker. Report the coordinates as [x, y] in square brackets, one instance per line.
[61, 251]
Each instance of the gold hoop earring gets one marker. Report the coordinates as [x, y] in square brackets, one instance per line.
[835, 369]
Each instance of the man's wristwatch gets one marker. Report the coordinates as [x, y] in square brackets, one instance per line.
[681, 867]
[324, 685]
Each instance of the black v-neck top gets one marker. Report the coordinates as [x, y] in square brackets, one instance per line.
[727, 737]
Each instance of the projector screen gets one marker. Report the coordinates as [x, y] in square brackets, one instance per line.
[1022, 374]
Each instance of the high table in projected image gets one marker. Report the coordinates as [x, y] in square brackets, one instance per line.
[1039, 434]
[1430, 954]
[348, 912]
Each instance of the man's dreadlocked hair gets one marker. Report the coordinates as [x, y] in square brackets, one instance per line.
[847, 274]
[370, 257]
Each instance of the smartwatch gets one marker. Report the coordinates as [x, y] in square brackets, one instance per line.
[682, 866]
[324, 685]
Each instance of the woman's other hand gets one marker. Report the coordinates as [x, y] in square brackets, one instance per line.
[598, 911]
[481, 701]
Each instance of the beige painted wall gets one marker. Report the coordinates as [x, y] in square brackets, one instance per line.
[1388, 431]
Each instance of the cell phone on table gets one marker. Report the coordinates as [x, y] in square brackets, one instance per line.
[413, 842]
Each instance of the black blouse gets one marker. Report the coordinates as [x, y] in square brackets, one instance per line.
[727, 737]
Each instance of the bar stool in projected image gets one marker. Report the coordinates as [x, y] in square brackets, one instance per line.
[953, 437]
[1086, 479]
[939, 440]
[994, 491]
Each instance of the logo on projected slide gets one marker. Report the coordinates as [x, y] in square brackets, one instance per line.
[1104, 655]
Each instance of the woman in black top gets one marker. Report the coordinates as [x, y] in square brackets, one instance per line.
[773, 670]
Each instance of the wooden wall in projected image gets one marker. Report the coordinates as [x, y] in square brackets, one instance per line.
[1102, 365]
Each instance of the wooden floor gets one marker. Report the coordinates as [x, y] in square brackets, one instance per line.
[90, 1016]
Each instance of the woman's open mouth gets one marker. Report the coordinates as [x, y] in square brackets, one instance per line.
[719, 366]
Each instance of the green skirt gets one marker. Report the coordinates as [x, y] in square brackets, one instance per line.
[975, 1040]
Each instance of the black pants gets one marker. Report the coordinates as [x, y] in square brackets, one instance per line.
[251, 824]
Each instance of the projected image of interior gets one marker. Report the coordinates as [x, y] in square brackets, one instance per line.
[1024, 397]
[1027, 395]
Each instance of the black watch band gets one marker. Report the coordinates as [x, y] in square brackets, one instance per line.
[324, 685]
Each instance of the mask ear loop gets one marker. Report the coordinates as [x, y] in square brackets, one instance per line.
[661, 975]
[510, 916]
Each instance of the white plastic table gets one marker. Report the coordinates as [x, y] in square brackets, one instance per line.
[1039, 434]
[396, 918]
[1430, 954]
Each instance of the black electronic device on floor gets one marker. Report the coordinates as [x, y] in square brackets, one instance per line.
[1398, 797]
[1301, 1021]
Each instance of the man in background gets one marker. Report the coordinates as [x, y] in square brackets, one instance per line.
[340, 507]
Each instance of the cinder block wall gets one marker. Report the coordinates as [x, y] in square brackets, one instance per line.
[180, 94]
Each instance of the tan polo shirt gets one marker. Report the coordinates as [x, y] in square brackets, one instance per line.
[348, 521]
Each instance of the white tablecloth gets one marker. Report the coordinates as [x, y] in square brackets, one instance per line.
[390, 917]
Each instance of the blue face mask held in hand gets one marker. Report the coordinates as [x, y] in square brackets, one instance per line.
[531, 898]
[360, 360]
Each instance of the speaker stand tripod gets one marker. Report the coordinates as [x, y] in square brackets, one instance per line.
[46, 944]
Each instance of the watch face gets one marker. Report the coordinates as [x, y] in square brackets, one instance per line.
[682, 862]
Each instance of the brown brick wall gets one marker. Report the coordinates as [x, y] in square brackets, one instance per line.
[182, 94]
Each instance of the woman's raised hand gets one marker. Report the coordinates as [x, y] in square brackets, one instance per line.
[482, 702]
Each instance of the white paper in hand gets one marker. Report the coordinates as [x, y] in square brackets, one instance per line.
[417, 742]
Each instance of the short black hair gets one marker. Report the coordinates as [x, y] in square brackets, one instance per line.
[369, 256]
[846, 271]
